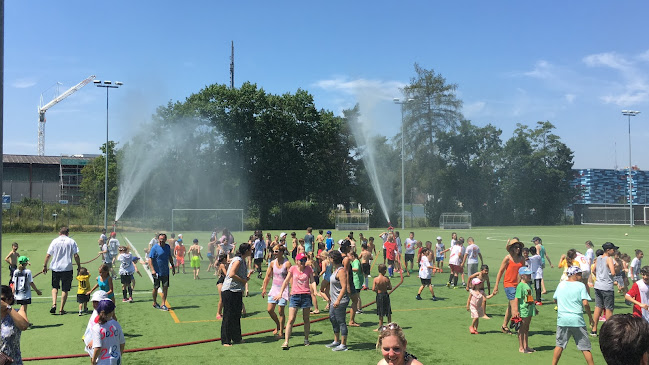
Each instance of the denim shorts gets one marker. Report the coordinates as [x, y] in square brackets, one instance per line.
[300, 301]
[281, 302]
[511, 293]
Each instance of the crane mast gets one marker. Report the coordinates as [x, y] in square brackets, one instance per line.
[42, 109]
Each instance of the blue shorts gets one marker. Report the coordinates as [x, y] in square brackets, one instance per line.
[301, 301]
[511, 293]
[439, 258]
[281, 302]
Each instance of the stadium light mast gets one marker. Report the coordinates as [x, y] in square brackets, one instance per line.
[403, 163]
[107, 85]
[629, 114]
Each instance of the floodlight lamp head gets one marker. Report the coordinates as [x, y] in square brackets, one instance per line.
[119, 83]
[624, 111]
[96, 81]
[106, 82]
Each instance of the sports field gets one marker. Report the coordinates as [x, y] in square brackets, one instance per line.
[437, 332]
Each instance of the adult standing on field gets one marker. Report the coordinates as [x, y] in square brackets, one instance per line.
[308, 242]
[540, 249]
[410, 252]
[509, 267]
[471, 256]
[159, 260]
[232, 293]
[61, 251]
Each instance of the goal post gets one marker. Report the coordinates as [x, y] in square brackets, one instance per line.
[206, 219]
[353, 221]
[606, 215]
[646, 215]
[455, 220]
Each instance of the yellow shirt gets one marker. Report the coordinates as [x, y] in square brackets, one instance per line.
[84, 284]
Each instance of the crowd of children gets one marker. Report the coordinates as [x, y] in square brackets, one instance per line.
[321, 271]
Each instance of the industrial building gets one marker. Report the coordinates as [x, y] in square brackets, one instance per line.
[48, 178]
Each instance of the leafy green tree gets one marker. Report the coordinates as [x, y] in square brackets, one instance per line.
[92, 184]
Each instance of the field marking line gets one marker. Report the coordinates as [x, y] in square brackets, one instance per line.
[146, 268]
[434, 308]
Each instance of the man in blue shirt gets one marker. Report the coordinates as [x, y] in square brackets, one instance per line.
[159, 260]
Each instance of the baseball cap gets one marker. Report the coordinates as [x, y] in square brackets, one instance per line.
[328, 232]
[106, 306]
[195, 240]
[439, 238]
[98, 296]
[282, 235]
[113, 234]
[340, 242]
[23, 259]
[524, 271]
[609, 246]
[300, 256]
[476, 281]
[536, 238]
[573, 270]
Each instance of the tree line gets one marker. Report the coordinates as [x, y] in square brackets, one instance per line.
[289, 164]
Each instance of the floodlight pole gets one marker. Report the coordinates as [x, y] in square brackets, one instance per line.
[629, 114]
[107, 85]
[403, 164]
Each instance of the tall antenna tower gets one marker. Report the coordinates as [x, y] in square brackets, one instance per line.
[232, 67]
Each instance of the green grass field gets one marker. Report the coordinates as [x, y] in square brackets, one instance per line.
[437, 331]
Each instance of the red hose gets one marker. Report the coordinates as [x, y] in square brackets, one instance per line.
[58, 357]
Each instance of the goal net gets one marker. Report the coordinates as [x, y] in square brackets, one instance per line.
[455, 221]
[206, 219]
[352, 221]
[606, 215]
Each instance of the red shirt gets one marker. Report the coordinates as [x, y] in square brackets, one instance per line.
[390, 248]
[635, 294]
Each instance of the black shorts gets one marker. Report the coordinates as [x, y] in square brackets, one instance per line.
[316, 279]
[64, 278]
[425, 282]
[126, 279]
[294, 253]
[410, 257]
[366, 268]
[83, 298]
[24, 301]
[258, 261]
[12, 268]
[390, 262]
[164, 280]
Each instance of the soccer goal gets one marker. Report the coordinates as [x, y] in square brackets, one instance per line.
[607, 215]
[352, 221]
[646, 215]
[206, 219]
[455, 221]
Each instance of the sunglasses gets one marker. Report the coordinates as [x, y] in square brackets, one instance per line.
[275, 252]
[389, 326]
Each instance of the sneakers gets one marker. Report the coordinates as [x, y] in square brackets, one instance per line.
[164, 308]
[306, 342]
[359, 312]
[593, 333]
[463, 284]
[538, 303]
[156, 306]
[124, 300]
[434, 299]
[602, 319]
[369, 276]
[80, 313]
[53, 309]
[130, 299]
[332, 345]
[418, 297]
[448, 285]
[340, 347]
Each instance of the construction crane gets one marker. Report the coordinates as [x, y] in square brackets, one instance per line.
[43, 108]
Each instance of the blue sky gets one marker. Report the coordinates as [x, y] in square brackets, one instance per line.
[574, 63]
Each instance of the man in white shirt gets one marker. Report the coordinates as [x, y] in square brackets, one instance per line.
[61, 251]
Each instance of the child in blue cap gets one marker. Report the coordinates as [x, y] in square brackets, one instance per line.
[523, 309]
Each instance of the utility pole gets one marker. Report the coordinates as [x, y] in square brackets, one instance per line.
[232, 67]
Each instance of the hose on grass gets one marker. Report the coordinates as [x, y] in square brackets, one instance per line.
[60, 357]
[83, 263]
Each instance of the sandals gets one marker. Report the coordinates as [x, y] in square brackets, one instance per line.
[62, 312]
[505, 330]
[285, 346]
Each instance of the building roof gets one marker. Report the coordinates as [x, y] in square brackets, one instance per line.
[42, 160]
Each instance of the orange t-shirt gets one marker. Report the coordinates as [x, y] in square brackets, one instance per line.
[511, 274]
[180, 251]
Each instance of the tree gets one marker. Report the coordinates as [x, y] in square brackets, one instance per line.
[92, 185]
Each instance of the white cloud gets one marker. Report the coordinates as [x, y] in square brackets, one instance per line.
[542, 70]
[23, 83]
[471, 110]
[635, 87]
[570, 98]
[384, 89]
